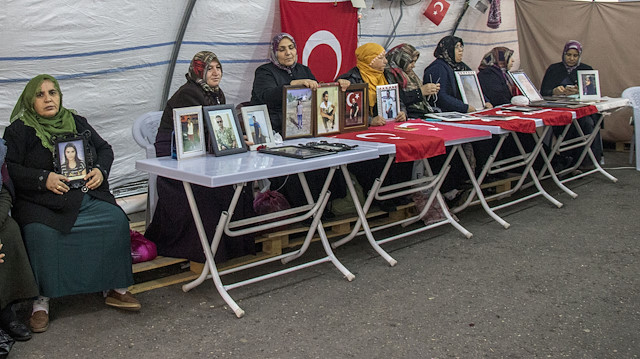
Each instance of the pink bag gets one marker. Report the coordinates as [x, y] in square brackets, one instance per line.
[269, 202]
[142, 249]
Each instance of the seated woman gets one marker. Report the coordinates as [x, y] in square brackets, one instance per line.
[283, 69]
[401, 60]
[172, 228]
[370, 65]
[77, 239]
[16, 278]
[561, 79]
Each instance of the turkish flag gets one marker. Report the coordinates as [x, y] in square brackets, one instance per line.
[436, 11]
[326, 34]
[409, 146]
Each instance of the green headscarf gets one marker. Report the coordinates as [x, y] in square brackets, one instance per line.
[46, 127]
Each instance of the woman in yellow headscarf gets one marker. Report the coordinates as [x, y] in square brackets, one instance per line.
[369, 69]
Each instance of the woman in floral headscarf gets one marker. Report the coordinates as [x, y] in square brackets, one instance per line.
[172, 227]
[401, 60]
[496, 84]
[448, 56]
[561, 79]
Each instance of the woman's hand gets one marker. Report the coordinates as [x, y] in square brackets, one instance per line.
[378, 121]
[401, 117]
[565, 90]
[471, 109]
[429, 89]
[344, 84]
[488, 105]
[571, 89]
[94, 178]
[56, 183]
[1, 254]
[312, 84]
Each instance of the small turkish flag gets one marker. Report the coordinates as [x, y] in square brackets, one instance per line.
[436, 11]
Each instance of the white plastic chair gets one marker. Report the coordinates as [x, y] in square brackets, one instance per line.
[144, 131]
[633, 94]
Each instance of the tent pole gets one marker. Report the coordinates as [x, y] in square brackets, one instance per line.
[464, 10]
[176, 50]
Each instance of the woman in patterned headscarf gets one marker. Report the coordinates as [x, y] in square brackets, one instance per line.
[561, 79]
[401, 60]
[496, 84]
[172, 227]
[448, 54]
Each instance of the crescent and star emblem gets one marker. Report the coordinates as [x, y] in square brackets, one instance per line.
[436, 5]
[390, 136]
[431, 127]
[322, 37]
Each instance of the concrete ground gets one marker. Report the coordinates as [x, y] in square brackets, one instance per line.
[558, 283]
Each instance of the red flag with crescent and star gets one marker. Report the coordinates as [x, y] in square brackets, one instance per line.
[436, 11]
[326, 34]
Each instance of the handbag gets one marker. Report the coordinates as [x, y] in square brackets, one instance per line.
[268, 202]
[142, 249]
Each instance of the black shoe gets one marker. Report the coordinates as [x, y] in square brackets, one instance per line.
[17, 331]
[6, 342]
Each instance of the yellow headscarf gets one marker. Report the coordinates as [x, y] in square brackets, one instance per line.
[365, 55]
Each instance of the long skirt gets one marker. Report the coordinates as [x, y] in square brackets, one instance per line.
[94, 256]
[16, 277]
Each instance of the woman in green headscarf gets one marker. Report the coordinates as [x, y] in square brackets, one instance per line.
[77, 238]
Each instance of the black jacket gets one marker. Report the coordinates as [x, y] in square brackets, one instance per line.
[494, 86]
[267, 88]
[557, 75]
[29, 164]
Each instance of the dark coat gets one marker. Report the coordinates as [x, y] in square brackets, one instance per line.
[267, 88]
[449, 98]
[29, 164]
[557, 75]
[494, 86]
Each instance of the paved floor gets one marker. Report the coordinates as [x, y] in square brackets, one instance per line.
[559, 283]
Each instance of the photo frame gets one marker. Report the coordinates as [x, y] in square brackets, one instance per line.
[388, 101]
[451, 116]
[588, 85]
[189, 132]
[328, 102]
[298, 116]
[355, 108]
[225, 133]
[525, 86]
[257, 125]
[72, 158]
[298, 152]
[470, 89]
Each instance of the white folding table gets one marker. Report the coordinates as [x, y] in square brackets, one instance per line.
[238, 170]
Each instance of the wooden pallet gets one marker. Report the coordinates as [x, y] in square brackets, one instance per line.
[623, 146]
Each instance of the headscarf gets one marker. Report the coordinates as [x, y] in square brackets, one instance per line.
[61, 123]
[365, 54]
[198, 68]
[399, 58]
[446, 50]
[498, 58]
[572, 44]
[273, 51]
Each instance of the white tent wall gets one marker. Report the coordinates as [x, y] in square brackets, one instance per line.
[111, 57]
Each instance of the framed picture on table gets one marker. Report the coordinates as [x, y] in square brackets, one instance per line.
[298, 112]
[328, 109]
[588, 85]
[72, 158]
[470, 89]
[388, 100]
[188, 131]
[355, 108]
[258, 126]
[225, 133]
[525, 86]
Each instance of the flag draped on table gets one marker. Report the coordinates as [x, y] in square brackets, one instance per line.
[326, 34]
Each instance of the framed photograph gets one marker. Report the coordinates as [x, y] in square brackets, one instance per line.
[355, 108]
[470, 89]
[72, 158]
[297, 152]
[258, 126]
[328, 109]
[189, 132]
[298, 109]
[451, 116]
[388, 101]
[225, 133]
[588, 85]
[525, 86]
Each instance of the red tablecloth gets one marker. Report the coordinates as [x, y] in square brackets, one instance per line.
[446, 132]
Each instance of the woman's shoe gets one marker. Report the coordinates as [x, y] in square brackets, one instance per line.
[124, 301]
[17, 331]
[39, 321]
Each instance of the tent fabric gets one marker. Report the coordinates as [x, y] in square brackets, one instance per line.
[111, 57]
[605, 29]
